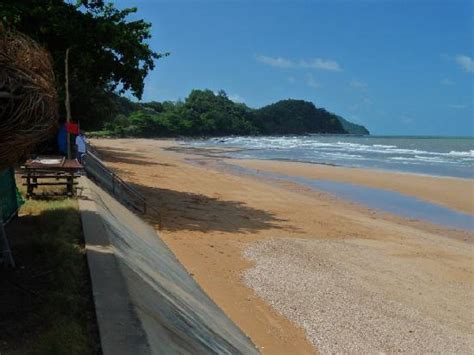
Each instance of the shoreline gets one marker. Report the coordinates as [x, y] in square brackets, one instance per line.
[458, 194]
[294, 169]
[422, 166]
[212, 217]
[387, 171]
[220, 152]
[391, 203]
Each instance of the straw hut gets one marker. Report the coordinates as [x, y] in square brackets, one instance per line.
[28, 98]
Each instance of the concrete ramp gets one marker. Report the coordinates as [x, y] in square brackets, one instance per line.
[173, 312]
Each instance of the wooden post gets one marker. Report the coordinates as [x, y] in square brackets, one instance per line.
[70, 184]
[67, 102]
[29, 189]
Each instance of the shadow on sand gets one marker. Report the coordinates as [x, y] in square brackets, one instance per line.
[182, 211]
[187, 211]
[118, 155]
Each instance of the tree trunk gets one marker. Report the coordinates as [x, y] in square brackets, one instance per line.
[67, 102]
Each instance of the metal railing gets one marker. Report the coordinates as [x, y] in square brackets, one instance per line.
[98, 172]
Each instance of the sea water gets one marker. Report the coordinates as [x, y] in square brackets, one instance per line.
[438, 156]
[422, 155]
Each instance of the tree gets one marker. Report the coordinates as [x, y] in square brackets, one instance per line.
[108, 52]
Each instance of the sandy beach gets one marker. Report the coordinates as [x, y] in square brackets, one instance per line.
[300, 271]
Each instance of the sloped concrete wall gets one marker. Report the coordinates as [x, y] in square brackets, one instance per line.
[175, 313]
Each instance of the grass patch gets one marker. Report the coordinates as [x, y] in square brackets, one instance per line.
[48, 295]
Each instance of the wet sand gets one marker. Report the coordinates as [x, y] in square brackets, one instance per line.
[455, 193]
[213, 221]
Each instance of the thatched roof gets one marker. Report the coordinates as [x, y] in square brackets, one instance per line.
[28, 98]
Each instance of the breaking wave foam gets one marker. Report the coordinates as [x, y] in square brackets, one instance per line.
[379, 152]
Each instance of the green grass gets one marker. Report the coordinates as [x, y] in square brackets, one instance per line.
[62, 319]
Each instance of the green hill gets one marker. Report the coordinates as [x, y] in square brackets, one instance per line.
[206, 113]
[353, 128]
[296, 117]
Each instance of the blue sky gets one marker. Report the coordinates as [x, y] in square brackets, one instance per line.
[398, 67]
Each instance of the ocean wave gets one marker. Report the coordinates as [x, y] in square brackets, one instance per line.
[295, 142]
[456, 153]
[433, 159]
[402, 158]
[420, 158]
[384, 146]
[343, 156]
[439, 157]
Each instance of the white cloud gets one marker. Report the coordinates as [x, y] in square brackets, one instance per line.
[466, 62]
[311, 81]
[317, 63]
[458, 107]
[275, 62]
[358, 84]
[322, 64]
[447, 81]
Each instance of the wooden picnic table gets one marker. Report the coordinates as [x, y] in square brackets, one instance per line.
[59, 169]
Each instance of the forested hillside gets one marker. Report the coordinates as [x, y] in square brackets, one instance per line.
[352, 128]
[296, 117]
[205, 113]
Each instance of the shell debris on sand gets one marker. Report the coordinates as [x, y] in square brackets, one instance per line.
[339, 292]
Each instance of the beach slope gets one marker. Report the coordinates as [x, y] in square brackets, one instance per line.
[300, 271]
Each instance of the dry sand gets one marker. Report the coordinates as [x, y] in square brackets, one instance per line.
[326, 272]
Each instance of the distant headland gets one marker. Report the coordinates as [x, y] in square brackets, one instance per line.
[206, 113]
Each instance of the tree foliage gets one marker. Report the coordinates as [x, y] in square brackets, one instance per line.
[109, 53]
[296, 117]
[205, 113]
[353, 128]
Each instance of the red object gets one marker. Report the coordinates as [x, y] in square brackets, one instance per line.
[72, 128]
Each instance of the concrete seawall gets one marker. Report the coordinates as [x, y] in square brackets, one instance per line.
[156, 307]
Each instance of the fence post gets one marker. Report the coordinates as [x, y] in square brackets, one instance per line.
[113, 183]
